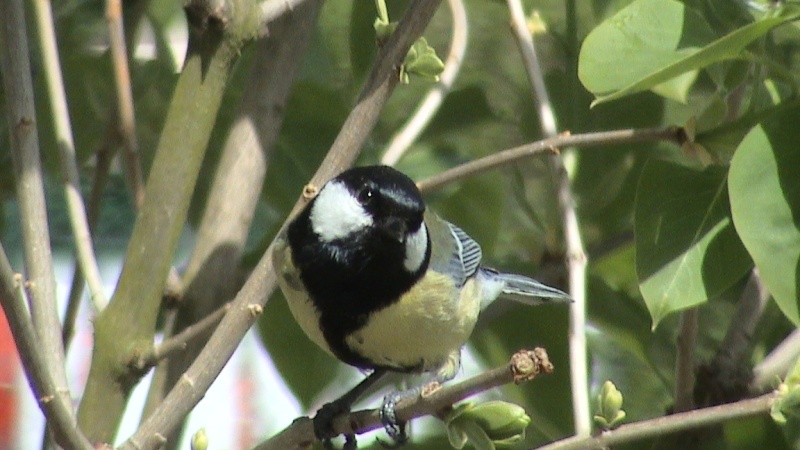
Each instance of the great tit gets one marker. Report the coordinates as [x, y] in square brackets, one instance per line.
[383, 284]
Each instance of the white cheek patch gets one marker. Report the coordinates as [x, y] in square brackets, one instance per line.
[336, 213]
[416, 248]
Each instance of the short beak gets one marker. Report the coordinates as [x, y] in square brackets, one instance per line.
[396, 229]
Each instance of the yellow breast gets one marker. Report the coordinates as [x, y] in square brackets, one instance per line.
[428, 323]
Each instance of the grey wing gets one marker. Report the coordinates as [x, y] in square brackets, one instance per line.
[468, 254]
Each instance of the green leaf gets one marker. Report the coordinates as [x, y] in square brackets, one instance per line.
[654, 41]
[487, 424]
[687, 250]
[637, 42]
[765, 200]
[421, 60]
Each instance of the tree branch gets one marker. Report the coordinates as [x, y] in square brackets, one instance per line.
[28, 176]
[576, 255]
[125, 111]
[775, 366]
[180, 341]
[127, 326]
[59, 415]
[256, 290]
[549, 146]
[212, 275]
[525, 365]
[45, 29]
[669, 424]
[684, 364]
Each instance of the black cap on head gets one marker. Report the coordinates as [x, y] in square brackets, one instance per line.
[385, 192]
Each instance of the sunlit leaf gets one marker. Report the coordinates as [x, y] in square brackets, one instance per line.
[686, 248]
[653, 41]
[764, 189]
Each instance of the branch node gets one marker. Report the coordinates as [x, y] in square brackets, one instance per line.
[25, 123]
[310, 191]
[255, 309]
[188, 380]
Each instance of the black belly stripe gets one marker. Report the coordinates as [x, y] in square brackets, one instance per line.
[366, 276]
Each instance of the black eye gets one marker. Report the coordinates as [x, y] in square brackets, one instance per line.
[366, 195]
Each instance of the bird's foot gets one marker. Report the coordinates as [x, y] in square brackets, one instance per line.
[394, 429]
[323, 425]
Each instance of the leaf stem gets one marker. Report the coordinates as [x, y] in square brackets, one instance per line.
[532, 362]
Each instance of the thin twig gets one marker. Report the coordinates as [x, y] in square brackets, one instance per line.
[528, 362]
[66, 151]
[179, 341]
[254, 294]
[18, 89]
[125, 111]
[684, 363]
[549, 146]
[669, 424]
[576, 255]
[774, 367]
[403, 139]
[524, 38]
[102, 168]
[59, 414]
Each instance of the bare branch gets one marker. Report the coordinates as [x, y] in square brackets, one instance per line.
[66, 151]
[179, 341]
[549, 146]
[59, 414]
[684, 364]
[213, 273]
[669, 424]
[525, 365]
[576, 254]
[28, 175]
[125, 111]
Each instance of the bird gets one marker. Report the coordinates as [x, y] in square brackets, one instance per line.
[382, 283]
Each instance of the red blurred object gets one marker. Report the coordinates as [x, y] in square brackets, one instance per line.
[9, 367]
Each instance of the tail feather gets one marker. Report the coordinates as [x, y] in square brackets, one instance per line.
[521, 289]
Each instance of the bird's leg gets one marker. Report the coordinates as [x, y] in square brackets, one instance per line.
[323, 421]
[397, 430]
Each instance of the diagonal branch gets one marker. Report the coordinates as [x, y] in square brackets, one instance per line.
[549, 146]
[60, 418]
[669, 424]
[525, 365]
[255, 293]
